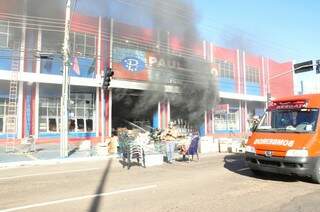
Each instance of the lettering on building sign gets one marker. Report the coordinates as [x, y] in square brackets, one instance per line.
[164, 63]
[276, 142]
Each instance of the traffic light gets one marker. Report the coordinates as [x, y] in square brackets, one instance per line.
[318, 66]
[108, 73]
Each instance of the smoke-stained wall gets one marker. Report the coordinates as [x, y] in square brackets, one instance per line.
[171, 55]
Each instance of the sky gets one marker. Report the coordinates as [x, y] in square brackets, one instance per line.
[285, 30]
[280, 29]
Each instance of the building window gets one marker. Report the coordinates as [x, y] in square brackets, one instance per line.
[83, 44]
[10, 37]
[227, 121]
[89, 124]
[4, 34]
[225, 69]
[52, 41]
[52, 125]
[81, 113]
[252, 74]
[1, 125]
[49, 114]
[82, 109]
[2, 114]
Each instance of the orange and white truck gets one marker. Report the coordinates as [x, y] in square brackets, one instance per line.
[287, 138]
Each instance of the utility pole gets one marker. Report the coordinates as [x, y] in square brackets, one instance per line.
[65, 86]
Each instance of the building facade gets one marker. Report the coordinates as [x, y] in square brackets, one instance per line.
[307, 80]
[140, 59]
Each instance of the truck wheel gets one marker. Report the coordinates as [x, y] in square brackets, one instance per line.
[316, 172]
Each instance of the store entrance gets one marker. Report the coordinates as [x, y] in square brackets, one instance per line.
[180, 116]
[131, 110]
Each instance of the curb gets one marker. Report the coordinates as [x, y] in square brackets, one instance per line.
[54, 161]
[9, 165]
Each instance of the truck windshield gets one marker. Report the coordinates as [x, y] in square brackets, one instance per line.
[299, 121]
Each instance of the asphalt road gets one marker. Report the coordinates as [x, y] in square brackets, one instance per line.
[215, 183]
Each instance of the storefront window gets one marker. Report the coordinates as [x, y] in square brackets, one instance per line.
[227, 120]
[81, 113]
[80, 123]
[89, 124]
[49, 113]
[43, 125]
[72, 125]
[2, 114]
[52, 125]
[1, 124]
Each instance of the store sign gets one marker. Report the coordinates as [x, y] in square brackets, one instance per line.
[164, 62]
[221, 109]
[133, 64]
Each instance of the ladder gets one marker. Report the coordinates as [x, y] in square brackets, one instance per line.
[11, 116]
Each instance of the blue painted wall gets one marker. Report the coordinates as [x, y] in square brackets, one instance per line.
[226, 131]
[253, 88]
[5, 59]
[28, 110]
[54, 66]
[155, 120]
[51, 66]
[227, 85]
[4, 135]
[202, 130]
[71, 135]
[87, 68]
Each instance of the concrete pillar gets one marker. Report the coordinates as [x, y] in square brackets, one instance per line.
[244, 73]
[238, 72]
[98, 116]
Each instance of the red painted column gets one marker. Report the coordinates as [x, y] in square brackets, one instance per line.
[24, 114]
[209, 122]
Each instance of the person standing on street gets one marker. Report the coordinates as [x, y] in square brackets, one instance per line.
[170, 136]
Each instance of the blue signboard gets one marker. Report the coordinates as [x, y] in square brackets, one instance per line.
[133, 64]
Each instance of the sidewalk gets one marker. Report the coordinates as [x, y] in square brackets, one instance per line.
[48, 154]
[45, 153]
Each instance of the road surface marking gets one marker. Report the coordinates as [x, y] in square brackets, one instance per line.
[243, 169]
[48, 173]
[78, 198]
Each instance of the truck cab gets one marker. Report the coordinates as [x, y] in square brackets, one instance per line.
[287, 139]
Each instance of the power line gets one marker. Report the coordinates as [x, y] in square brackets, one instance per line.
[85, 26]
[161, 11]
